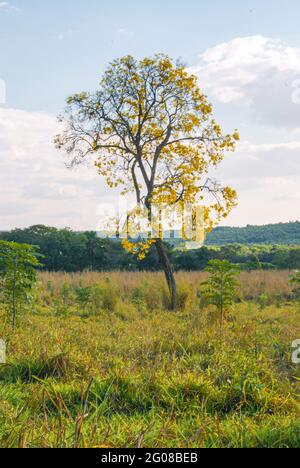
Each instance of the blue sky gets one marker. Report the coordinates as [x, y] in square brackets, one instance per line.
[247, 56]
[52, 48]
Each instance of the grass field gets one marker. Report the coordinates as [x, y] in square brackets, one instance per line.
[100, 361]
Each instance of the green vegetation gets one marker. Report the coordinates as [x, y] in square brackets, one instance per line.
[295, 281]
[17, 275]
[281, 233]
[64, 250]
[221, 287]
[87, 371]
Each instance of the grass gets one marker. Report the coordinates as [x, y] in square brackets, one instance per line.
[99, 361]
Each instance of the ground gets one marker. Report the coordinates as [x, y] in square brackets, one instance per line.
[99, 361]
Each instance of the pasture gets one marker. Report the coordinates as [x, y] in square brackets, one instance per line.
[98, 360]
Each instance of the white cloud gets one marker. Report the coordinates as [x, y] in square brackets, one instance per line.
[253, 162]
[260, 78]
[9, 8]
[254, 74]
[291, 145]
[267, 178]
[258, 73]
[35, 185]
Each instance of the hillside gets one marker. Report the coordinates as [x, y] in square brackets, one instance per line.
[282, 233]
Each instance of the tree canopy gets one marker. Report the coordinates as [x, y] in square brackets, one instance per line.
[150, 130]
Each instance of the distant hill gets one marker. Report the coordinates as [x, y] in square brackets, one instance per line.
[270, 234]
[282, 233]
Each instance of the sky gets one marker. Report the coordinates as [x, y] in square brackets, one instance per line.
[246, 55]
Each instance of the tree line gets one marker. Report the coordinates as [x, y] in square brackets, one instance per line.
[280, 233]
[66, 250]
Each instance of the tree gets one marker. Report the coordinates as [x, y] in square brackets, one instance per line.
[221, 287]
[150, 130]
[18, 263]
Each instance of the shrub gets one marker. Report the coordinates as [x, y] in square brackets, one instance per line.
[221, 287]
[18, 263]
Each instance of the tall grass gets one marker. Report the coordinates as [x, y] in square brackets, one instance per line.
[112, 366]
[253, 284]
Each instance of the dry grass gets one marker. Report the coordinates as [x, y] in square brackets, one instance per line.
[129, 373]
[273, 283]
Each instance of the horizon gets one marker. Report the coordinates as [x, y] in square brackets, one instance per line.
[99, 231]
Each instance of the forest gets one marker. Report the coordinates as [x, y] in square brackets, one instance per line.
[66, 250]
[280, 233]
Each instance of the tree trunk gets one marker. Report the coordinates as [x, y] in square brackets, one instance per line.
[168, 270]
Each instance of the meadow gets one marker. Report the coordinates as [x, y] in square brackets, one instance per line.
[98, 360]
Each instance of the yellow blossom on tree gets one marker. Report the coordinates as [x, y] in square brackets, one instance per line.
[150, 129]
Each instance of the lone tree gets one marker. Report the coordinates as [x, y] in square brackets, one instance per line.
[150, 130]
